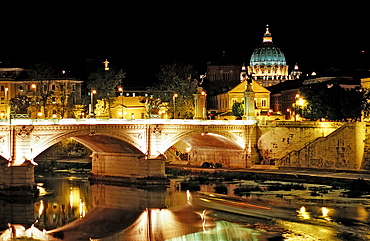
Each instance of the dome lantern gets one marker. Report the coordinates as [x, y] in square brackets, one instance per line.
[267, 37]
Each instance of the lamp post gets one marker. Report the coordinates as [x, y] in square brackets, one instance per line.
[34, 87]
[120, 89]
[174, 105]
[92, 93]
[6, 102]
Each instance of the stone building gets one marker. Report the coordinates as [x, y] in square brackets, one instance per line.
[222, 74]
[224, 101]
[22, 97]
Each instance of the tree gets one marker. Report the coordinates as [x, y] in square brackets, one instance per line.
[105, 83]
[238, 110]
[43, 76]
[365, 102]
[176, 79]
[65, 106]
[331, 102]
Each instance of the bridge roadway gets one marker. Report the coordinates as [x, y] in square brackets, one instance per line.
[123, 150]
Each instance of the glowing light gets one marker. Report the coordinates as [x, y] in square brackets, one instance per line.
[82, 209]
[188, 197]
[41, 208]
[202, 216]
[303, 213]
[325, 213]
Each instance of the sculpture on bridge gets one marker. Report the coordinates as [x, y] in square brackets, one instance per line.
[19, 105]
[152, 107]
[102, 109]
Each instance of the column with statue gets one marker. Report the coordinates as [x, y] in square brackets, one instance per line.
[249, 95]
[200, 112]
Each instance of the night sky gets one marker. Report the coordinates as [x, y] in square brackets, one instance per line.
[138, 39]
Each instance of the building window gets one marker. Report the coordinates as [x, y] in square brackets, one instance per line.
[214, 76]
[54, 100]
[226, 76]
[2, 88]
[2, 100]
[53, 87]
[264, 102]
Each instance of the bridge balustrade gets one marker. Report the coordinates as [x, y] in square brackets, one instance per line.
[93, 121]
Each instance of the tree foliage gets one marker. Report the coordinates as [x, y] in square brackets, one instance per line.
[176, 79]
[105, 83]
[332, 102]
[43, 75]
[365, 102]
[238, 110]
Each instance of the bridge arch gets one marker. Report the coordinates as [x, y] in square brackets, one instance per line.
[104, 141]
[233, 138]
[199, 146]
[118, 153]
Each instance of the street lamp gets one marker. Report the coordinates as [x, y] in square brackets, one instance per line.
[34, 87]
[120, 89]
[91, 109]
[6, 102]
[174, 105]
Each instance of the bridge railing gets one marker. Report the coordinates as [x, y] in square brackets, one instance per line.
[93, 121]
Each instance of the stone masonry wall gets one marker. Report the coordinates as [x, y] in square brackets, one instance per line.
[343, 149]
[276, 141]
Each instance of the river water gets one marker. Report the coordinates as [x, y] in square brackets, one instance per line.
[72, 208]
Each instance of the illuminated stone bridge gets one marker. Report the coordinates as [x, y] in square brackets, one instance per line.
[135, 150]
[123, 150]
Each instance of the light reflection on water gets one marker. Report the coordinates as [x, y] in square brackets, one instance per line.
[131, 213]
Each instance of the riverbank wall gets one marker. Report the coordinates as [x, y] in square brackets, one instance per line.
[289, 175]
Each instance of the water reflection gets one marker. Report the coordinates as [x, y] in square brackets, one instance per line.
[77, 210]
[69, 201]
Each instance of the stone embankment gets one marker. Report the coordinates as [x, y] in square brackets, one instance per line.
[290, 175]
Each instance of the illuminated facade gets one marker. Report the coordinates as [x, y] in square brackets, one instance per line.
[267, 63]
[224, 101]
[55, 98]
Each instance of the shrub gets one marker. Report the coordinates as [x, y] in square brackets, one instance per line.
[220, 188]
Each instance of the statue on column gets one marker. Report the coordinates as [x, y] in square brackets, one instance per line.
[248, 85]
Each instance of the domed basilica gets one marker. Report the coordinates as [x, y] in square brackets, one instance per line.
[267, 63]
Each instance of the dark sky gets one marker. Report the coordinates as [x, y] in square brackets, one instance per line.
[140, 38]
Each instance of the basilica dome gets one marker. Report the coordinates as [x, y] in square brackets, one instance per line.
[268, 53]
[267, 63]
